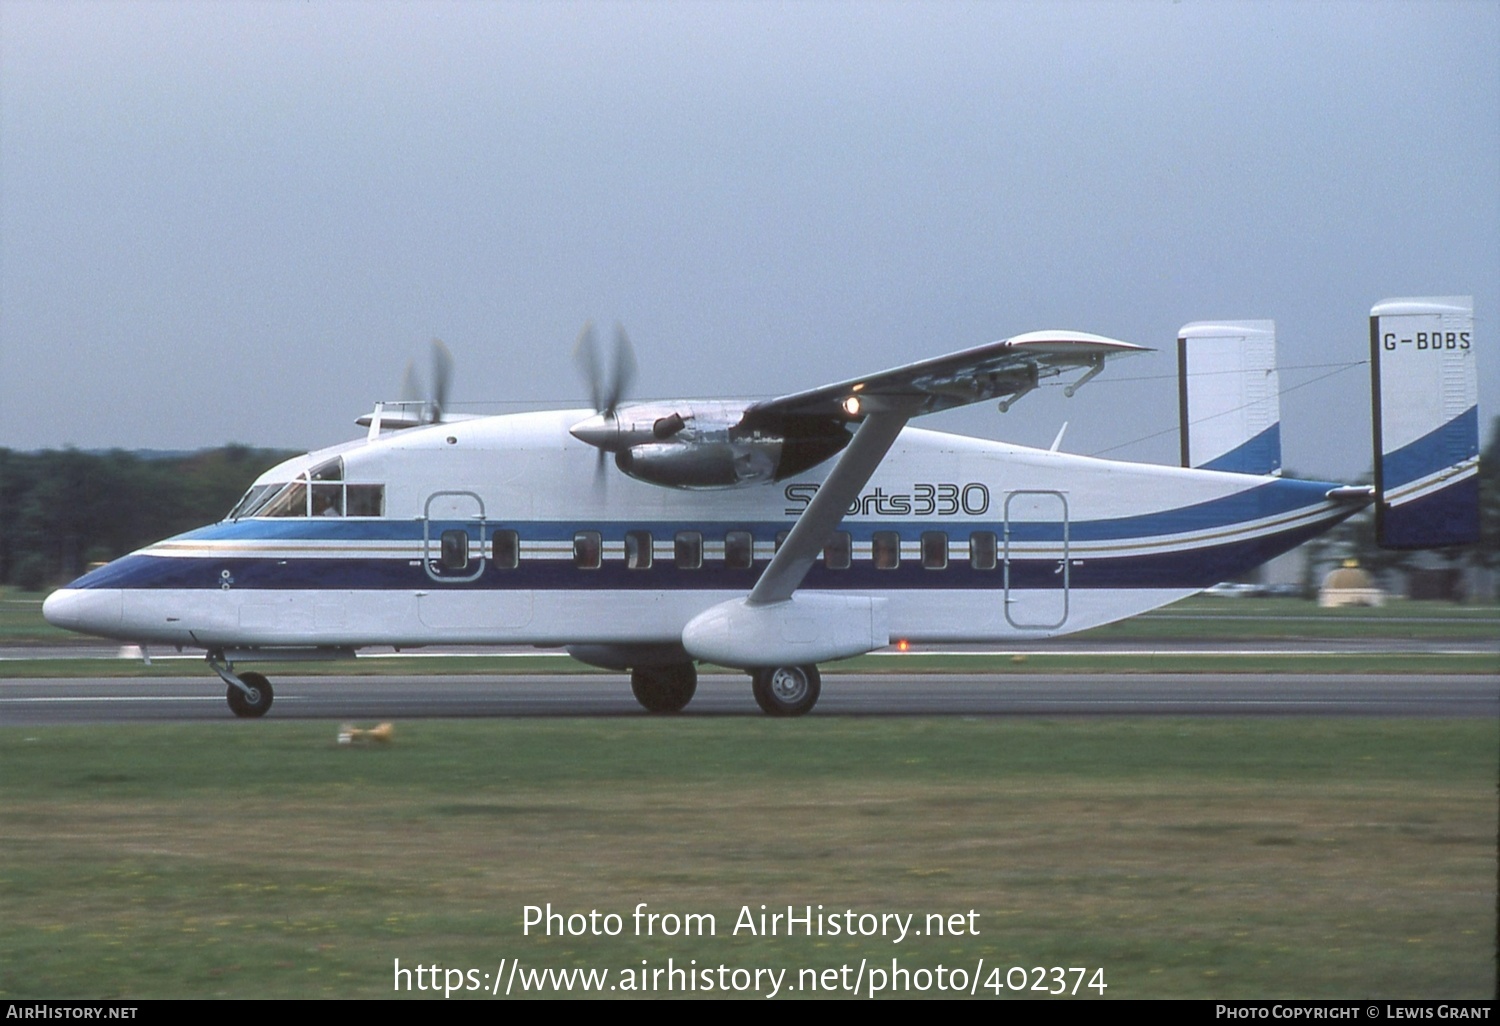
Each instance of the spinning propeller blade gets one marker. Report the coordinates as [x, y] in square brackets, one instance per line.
[442, 376]
[607, 386]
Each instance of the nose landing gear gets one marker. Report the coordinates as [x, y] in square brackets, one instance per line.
[249, 694]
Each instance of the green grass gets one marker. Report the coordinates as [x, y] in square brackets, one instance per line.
[21, 620]
[1197, 858]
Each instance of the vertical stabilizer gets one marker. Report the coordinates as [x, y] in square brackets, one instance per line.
[1228, 396]
[1426, 418]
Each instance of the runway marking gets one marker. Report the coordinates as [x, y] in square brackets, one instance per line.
[140, 698]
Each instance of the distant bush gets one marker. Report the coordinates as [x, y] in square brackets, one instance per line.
[61, 510]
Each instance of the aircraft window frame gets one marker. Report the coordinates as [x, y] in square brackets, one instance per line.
[838, 554]
[321, 491]
[985, 555]
[885, 549]
[588, 550]
[289, 501]
[328, 499]
[328, 472]
[505, 549]
[254, 497]
[358, 498]
[687, 550]
[453, 549]
[638, 550]
[739, 550]
[934, 550]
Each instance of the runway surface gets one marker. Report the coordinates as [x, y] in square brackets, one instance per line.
[35, 702]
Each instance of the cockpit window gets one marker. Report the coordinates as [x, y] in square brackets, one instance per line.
[252, 500]
[320, 492]
[364, 500]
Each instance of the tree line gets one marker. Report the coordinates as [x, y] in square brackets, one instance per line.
[63, 510]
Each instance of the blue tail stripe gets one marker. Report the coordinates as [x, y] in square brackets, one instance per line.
[1444, 446]
[1258, 455]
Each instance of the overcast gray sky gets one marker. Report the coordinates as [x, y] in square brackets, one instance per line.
[238, 221]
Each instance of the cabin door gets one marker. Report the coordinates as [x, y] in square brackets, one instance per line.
[1036, 560]
[453, 537]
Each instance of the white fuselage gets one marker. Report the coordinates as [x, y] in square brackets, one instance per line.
[963, 539]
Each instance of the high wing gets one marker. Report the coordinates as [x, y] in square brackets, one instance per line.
[1011, 367]
[884, 402]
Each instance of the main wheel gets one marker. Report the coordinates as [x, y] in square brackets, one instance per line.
[254, 704]
[664, 689]
[787, 690]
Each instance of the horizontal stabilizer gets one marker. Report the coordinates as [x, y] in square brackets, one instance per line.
[1228, 396]
[1426, 422]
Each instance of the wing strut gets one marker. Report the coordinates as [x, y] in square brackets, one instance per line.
[871, 442]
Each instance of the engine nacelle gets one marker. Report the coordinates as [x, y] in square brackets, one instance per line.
[711, 464]
[710, 444]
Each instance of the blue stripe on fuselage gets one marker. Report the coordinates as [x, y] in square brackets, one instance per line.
[1171, 567]
[1269, 499]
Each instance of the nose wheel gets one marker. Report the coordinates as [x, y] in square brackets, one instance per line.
[252, 702]
[249, 694]
[786, 690]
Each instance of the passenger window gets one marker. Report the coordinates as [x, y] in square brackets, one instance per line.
[739, 550]
[638, 550]
[687, 550]
[507, 549]
[838, 552]
[982, 550]
[885, 549]
[588, 550]
[935, 550]
[455, 550]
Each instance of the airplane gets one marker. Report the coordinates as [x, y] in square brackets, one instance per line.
[774, 535]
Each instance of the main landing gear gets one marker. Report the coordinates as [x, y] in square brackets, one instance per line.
[249, 694]
[664, 689]
[786, 690]
[779, 690]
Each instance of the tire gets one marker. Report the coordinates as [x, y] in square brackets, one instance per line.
[787, 690]
[664, 689]
[245, 707]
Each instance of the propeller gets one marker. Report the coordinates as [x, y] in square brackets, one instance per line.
[418, 406]
[607, 384]
[413, 392]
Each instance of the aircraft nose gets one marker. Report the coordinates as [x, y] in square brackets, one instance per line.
[86, 610]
